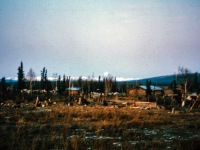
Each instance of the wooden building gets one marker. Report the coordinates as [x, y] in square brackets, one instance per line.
[74, 90]
[141, 91]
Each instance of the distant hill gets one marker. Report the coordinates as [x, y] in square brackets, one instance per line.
[160, 80]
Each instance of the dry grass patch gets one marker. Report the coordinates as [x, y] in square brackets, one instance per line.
[64, 127]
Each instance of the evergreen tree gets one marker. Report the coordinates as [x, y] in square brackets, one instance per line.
[114, 85]
[91, 85]
[64, 84]
[80, 84]
[88, 86]
[21, 78]
[59, 85]
[49, 86]
[124, 88]
[3, 87]
[105, 85]
[36, 85]
[173, 85]
[44, 81]
[148, 89]
[68, 85]
[85, 88]
[95, 85]
[100, 87]
[80, 81]
[196, 83]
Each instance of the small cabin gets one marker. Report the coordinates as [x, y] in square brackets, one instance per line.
[74, 90]
[155, 89]
[141, 91]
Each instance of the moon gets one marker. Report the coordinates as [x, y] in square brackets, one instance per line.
[106, 74]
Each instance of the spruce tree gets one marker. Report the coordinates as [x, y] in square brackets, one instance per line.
[196, 83]
[148, 89]
[44, 81]
[64, 84]
[100, 85]
[114, 85]
[3, 87]
[59, 85]
[68, 85]
[21, 78]
[174, 85]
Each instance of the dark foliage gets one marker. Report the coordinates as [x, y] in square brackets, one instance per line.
[21, 78]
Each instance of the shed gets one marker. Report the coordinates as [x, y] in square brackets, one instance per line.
[74, 90]
[155, 89]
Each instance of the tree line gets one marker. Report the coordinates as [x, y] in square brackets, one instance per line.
[59, 86]
[104, 85]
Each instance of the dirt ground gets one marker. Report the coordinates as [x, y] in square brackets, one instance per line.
[120, 125]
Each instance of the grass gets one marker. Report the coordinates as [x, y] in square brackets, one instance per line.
[72, 127]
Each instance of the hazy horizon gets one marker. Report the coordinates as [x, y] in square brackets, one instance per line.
[129, 38]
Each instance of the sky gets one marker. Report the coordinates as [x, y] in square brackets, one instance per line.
[127, 38]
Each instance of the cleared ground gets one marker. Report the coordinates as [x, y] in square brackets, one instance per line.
[60, 126]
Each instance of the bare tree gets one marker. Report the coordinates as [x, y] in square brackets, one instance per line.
[55, 75]
[31, 76]
[184, 78]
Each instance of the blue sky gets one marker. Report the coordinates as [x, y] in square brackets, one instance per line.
[127, 38]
